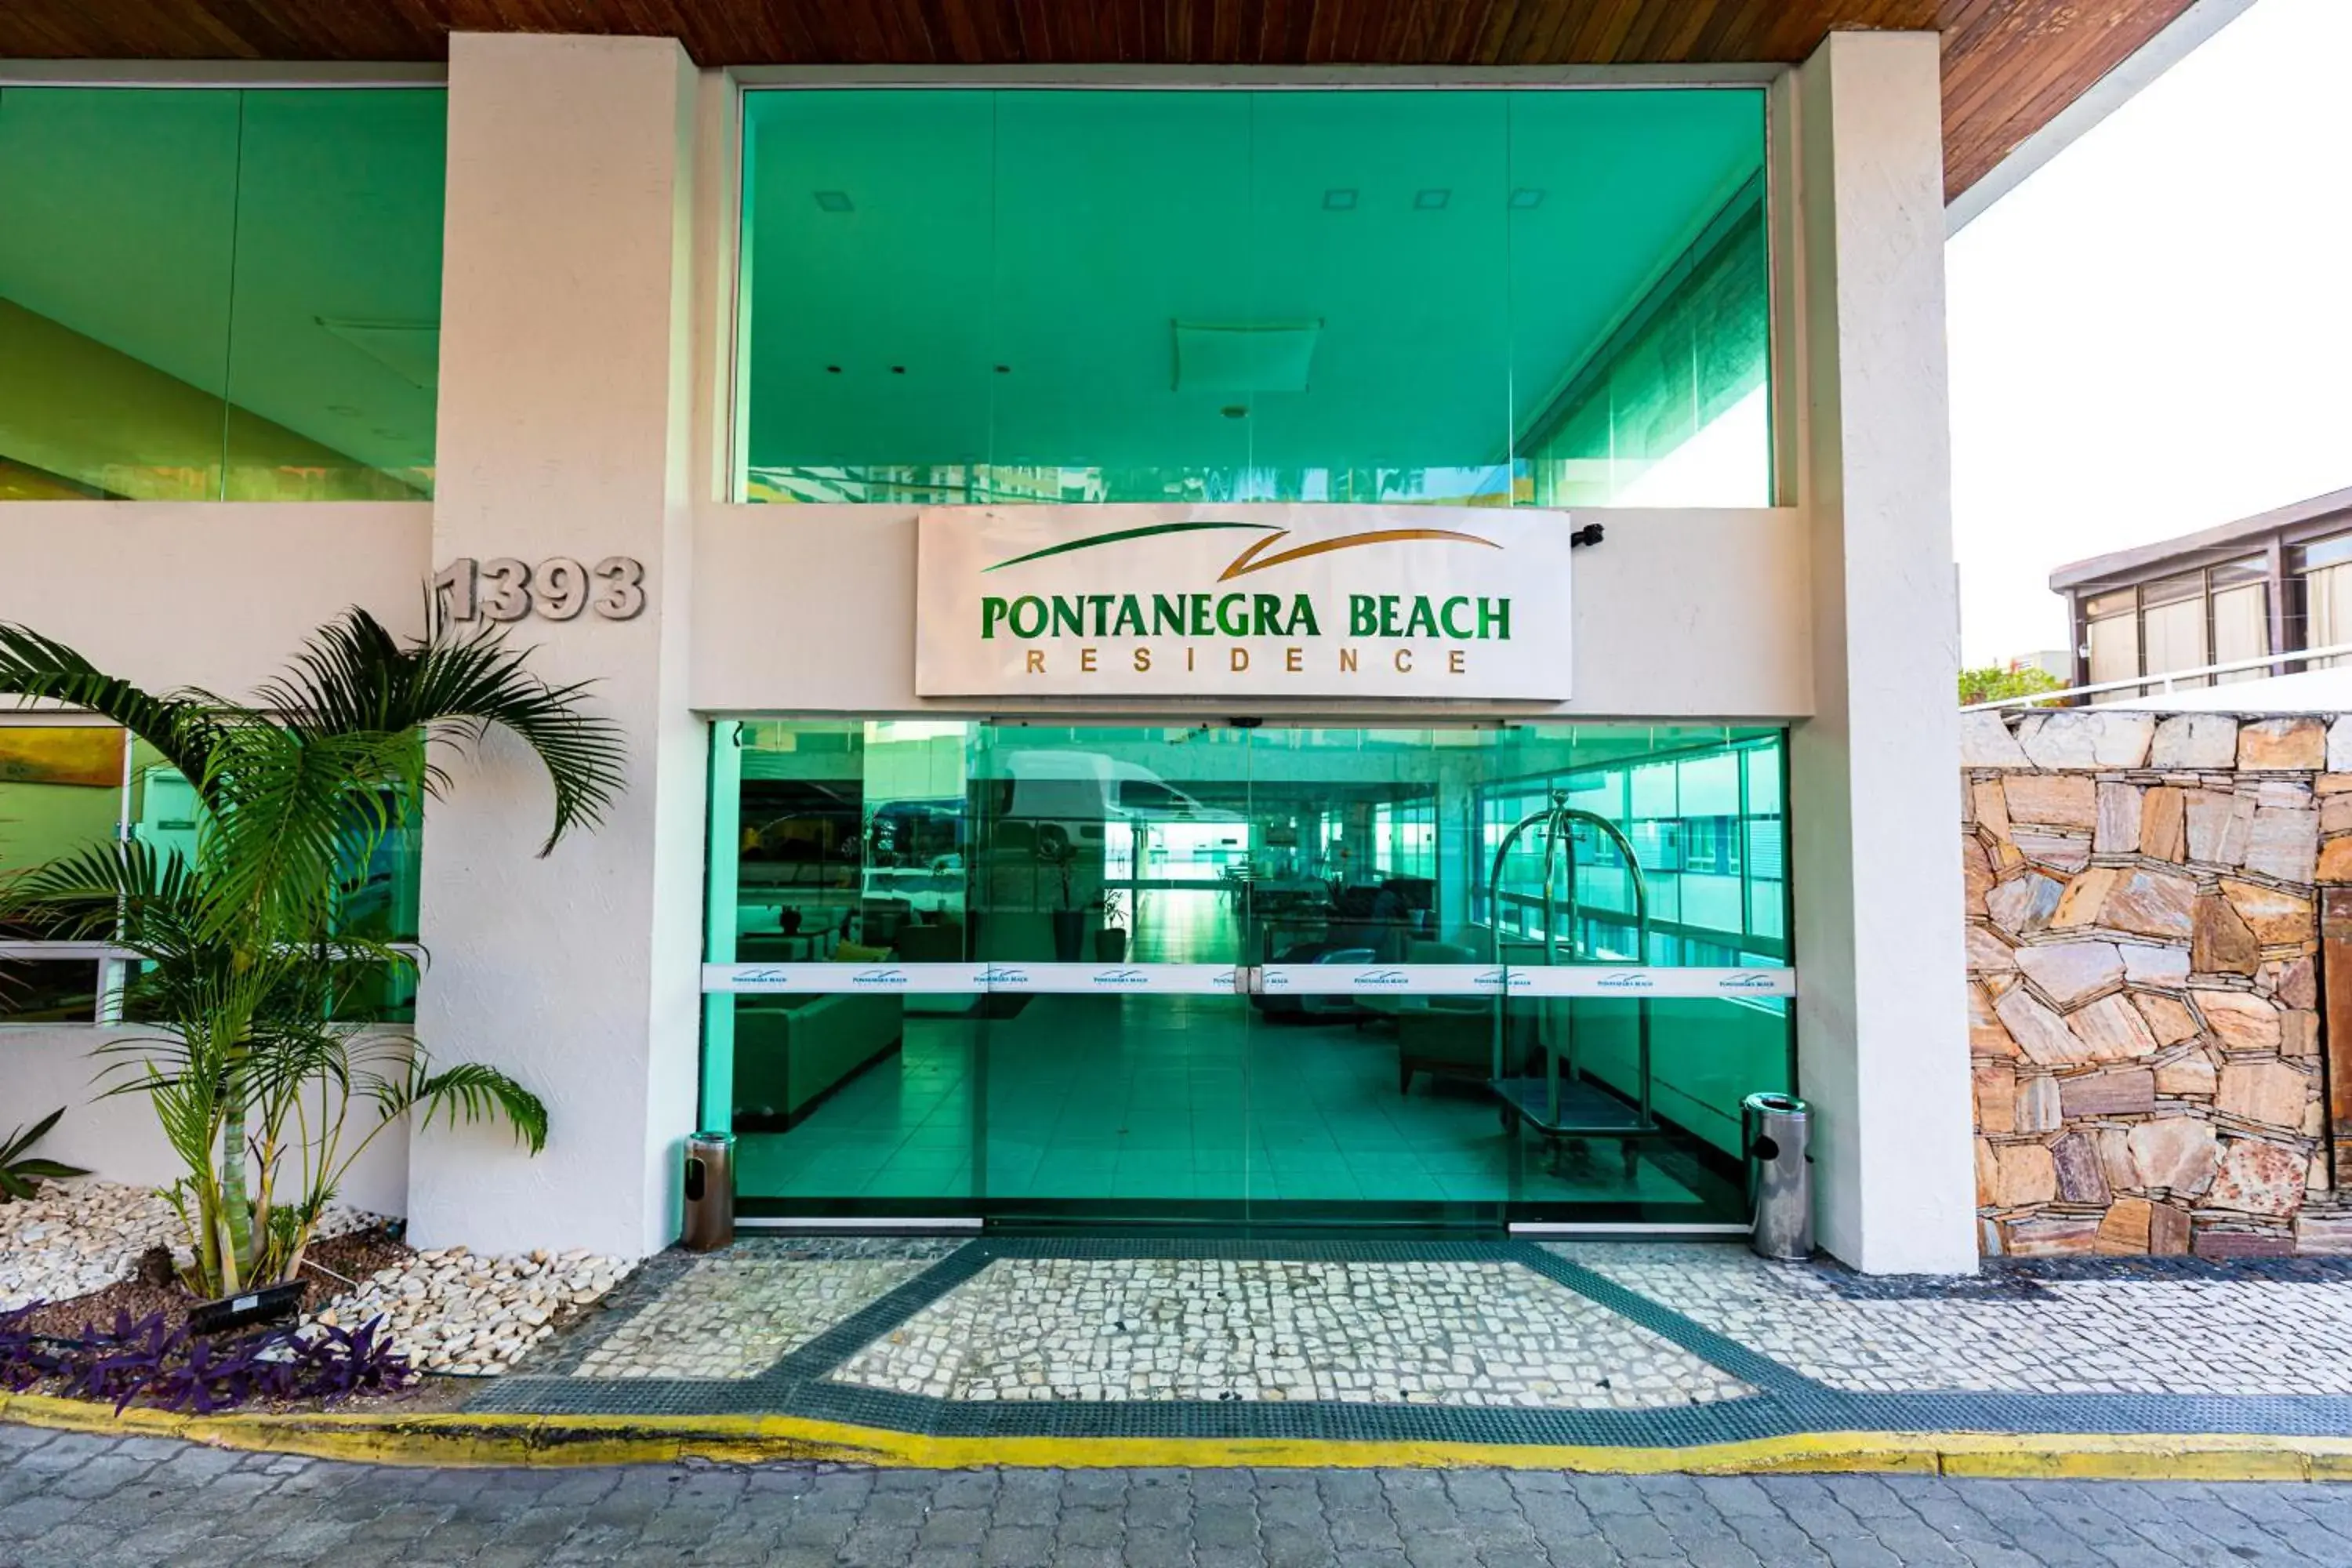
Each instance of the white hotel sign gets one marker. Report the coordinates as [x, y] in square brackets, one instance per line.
[1261, 600]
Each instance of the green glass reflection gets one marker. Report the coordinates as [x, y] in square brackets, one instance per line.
[60, 793]
[219, 294]
[1481, 297]
[899, 841]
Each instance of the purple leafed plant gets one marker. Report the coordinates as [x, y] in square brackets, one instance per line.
[146, 1362]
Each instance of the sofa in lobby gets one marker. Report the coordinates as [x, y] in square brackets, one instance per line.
[792, 1050]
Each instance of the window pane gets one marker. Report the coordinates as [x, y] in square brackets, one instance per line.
[214, 293]
[2242, 628]
[2176, 637]
[962, 296]
[2327, 605]
[61, 793]
[2114, 648]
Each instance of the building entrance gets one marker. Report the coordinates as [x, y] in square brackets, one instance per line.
[1227, 975]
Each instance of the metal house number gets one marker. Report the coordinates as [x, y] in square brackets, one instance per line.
[557, 589]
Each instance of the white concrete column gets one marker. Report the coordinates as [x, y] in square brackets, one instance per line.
[1881, 1023]
[564, 416]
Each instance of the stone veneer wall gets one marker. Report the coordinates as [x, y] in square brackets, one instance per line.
[2145, 987]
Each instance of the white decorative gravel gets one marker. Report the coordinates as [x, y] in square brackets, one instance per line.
[72, 1238]
[459, 1312]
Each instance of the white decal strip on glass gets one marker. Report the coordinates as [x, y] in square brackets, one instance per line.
[1224, 979]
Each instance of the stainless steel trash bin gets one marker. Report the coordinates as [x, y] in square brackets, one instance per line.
[709, 1191]
[1777, 1132]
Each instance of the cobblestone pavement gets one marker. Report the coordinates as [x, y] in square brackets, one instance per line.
[70, 1501]
[2129, 1327]
[1281, 1329]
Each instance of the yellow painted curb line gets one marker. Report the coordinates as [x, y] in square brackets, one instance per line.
[498, 1439]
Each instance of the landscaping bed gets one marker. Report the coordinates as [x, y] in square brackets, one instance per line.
[87, 1264]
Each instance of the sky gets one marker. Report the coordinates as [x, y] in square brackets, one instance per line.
[2153, 333]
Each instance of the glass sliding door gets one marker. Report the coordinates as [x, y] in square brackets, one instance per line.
[1143, 974]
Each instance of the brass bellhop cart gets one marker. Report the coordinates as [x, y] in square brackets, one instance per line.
[1564, 1103]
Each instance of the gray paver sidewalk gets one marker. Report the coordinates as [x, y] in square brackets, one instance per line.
[70, 1501]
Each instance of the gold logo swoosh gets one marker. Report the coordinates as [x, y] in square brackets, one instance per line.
[1255, 559]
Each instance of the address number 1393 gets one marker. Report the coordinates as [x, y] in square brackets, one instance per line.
[557, 589]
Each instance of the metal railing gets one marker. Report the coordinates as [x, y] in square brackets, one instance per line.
[2064, 696]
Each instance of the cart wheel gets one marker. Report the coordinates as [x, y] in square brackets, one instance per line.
[1632, 1156]
[1511, 1117]
[1576, 1153]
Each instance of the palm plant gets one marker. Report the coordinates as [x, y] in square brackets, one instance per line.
[245, 967]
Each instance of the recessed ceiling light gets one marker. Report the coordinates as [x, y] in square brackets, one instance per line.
[1526, 196]
[897, 370]
[1004, 370]
[1340, 200]
[345, 409]
[1430, 201]
[832, 370]
[833, 201]
[1233, 411]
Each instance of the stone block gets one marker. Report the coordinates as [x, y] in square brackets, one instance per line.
[2131, 1092]
[1988, 954]
[2076, 1157]
[2168, 1230]
[2220, 940]
[2278, 743]
[2147, 966]
[2339, 745]
[2078, 905]
[2164, 824]
[2225, 1244]
[2169, 1018]
[2336, 862]
[2067, 972]
[2123, 1231]
[2240, 1021]
[2327, 1234]
[2295, 984]
[1976, 873]
[2283, 843]
[1991, 812]
[1986, 1035]
[2150, 903]
[2037, 1028]
[2023, 1174]
[2298, 1032]
[2036, 1108]
[2332, 783]
[2273, 1093]
[2335, 815]
[2024, 904]
[2257, 1177]
[2282, 790]
[2109, 1029]
[2275, 916]
[1988, 1175]
[2195, 743]
[2186, 1078]
[1986, 742]
[2050, 1236]
[2115, 1156]
[2052, 800]
[2117, 831]
[2064, 852]
[1996, 1095]
[2087, 738]
[2219, 825]
[2178, 1152]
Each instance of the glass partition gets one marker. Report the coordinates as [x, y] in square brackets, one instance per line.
[1479, 296]
[1154, 973]
[219, 294]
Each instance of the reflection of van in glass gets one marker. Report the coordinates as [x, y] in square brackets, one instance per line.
[1052, 799]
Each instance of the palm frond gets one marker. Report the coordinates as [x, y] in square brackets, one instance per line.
[297, 808]
[180, 726]
[470, 1092]
[355, 676]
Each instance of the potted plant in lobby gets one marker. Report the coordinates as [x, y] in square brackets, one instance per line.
[1110, 937]
[246, 975]
[1060, 855]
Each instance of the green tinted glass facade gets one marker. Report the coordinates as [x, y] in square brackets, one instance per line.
[1483, 297]
[219, 295]
[894, 843]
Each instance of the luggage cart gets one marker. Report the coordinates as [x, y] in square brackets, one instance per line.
[1564, 1105]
